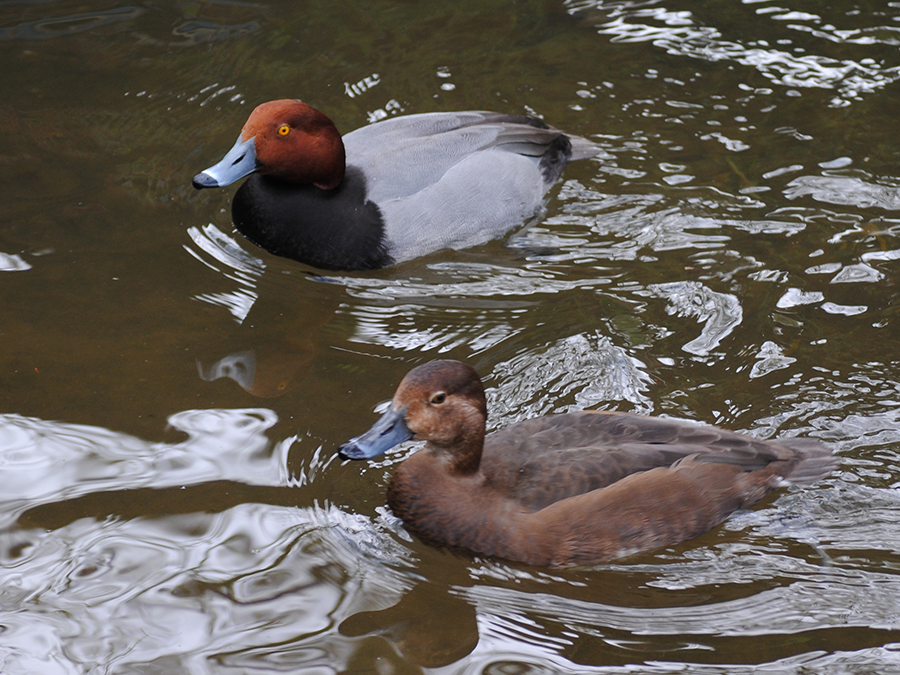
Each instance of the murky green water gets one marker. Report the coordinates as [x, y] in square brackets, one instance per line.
[171, 397]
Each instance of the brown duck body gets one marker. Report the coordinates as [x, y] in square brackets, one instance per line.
[573, 489]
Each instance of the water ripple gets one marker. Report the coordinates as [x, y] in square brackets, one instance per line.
[409, 328]
[794, 606]
[12, 262]
[681, 33]
[48, 461]
[720, 313]
[464, 281]
[846, 190]
[577, 372]
[230, 260]
[171, 594]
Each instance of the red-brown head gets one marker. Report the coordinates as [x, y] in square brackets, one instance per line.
[444, 403]
[441, 402]
[286, 139]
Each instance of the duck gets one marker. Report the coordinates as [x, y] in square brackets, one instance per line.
[572, 489]
[391, 191]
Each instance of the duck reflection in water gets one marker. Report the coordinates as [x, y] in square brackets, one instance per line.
[429, 626]
[571, 489]
[272, 350]
[267, 376]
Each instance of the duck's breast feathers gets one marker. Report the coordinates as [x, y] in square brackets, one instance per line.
[544, 460]
[411, 152]
[330, 229]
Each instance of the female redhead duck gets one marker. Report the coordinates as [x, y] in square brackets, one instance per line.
[572, 489]
[409, 185]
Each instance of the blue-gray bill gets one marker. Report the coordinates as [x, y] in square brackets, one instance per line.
[388, 431]
[240, 161]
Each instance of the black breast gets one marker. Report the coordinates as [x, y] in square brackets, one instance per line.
[330, 229]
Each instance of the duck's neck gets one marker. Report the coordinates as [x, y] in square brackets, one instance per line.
[429, 493]
[463, 458]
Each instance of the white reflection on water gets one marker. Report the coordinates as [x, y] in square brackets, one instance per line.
[176, 592]
[474, 306]
[43, 461]
[679, 32]
[794, 297]
[414, 328]
[575, 373]
[844, 310]
[854, 599]
[720, 313]
[180, 593]
[465, 281]
[638, 227]
[616, 227]
[229, 259]
[857, 190]
[12, 262]
[514, 626]
[770, 358]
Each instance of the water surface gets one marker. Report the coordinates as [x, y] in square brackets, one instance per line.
[172, 396]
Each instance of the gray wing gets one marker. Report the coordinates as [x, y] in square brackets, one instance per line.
[544, 460]
[460, 179]
[409, 153]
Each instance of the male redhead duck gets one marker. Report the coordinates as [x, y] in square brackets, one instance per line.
[572, 489]
[409, 185]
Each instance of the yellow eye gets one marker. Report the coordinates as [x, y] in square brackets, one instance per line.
[284, 130]
[438, 398]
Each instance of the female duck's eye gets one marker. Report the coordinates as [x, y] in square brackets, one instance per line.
[284, 130]
[438, 398]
